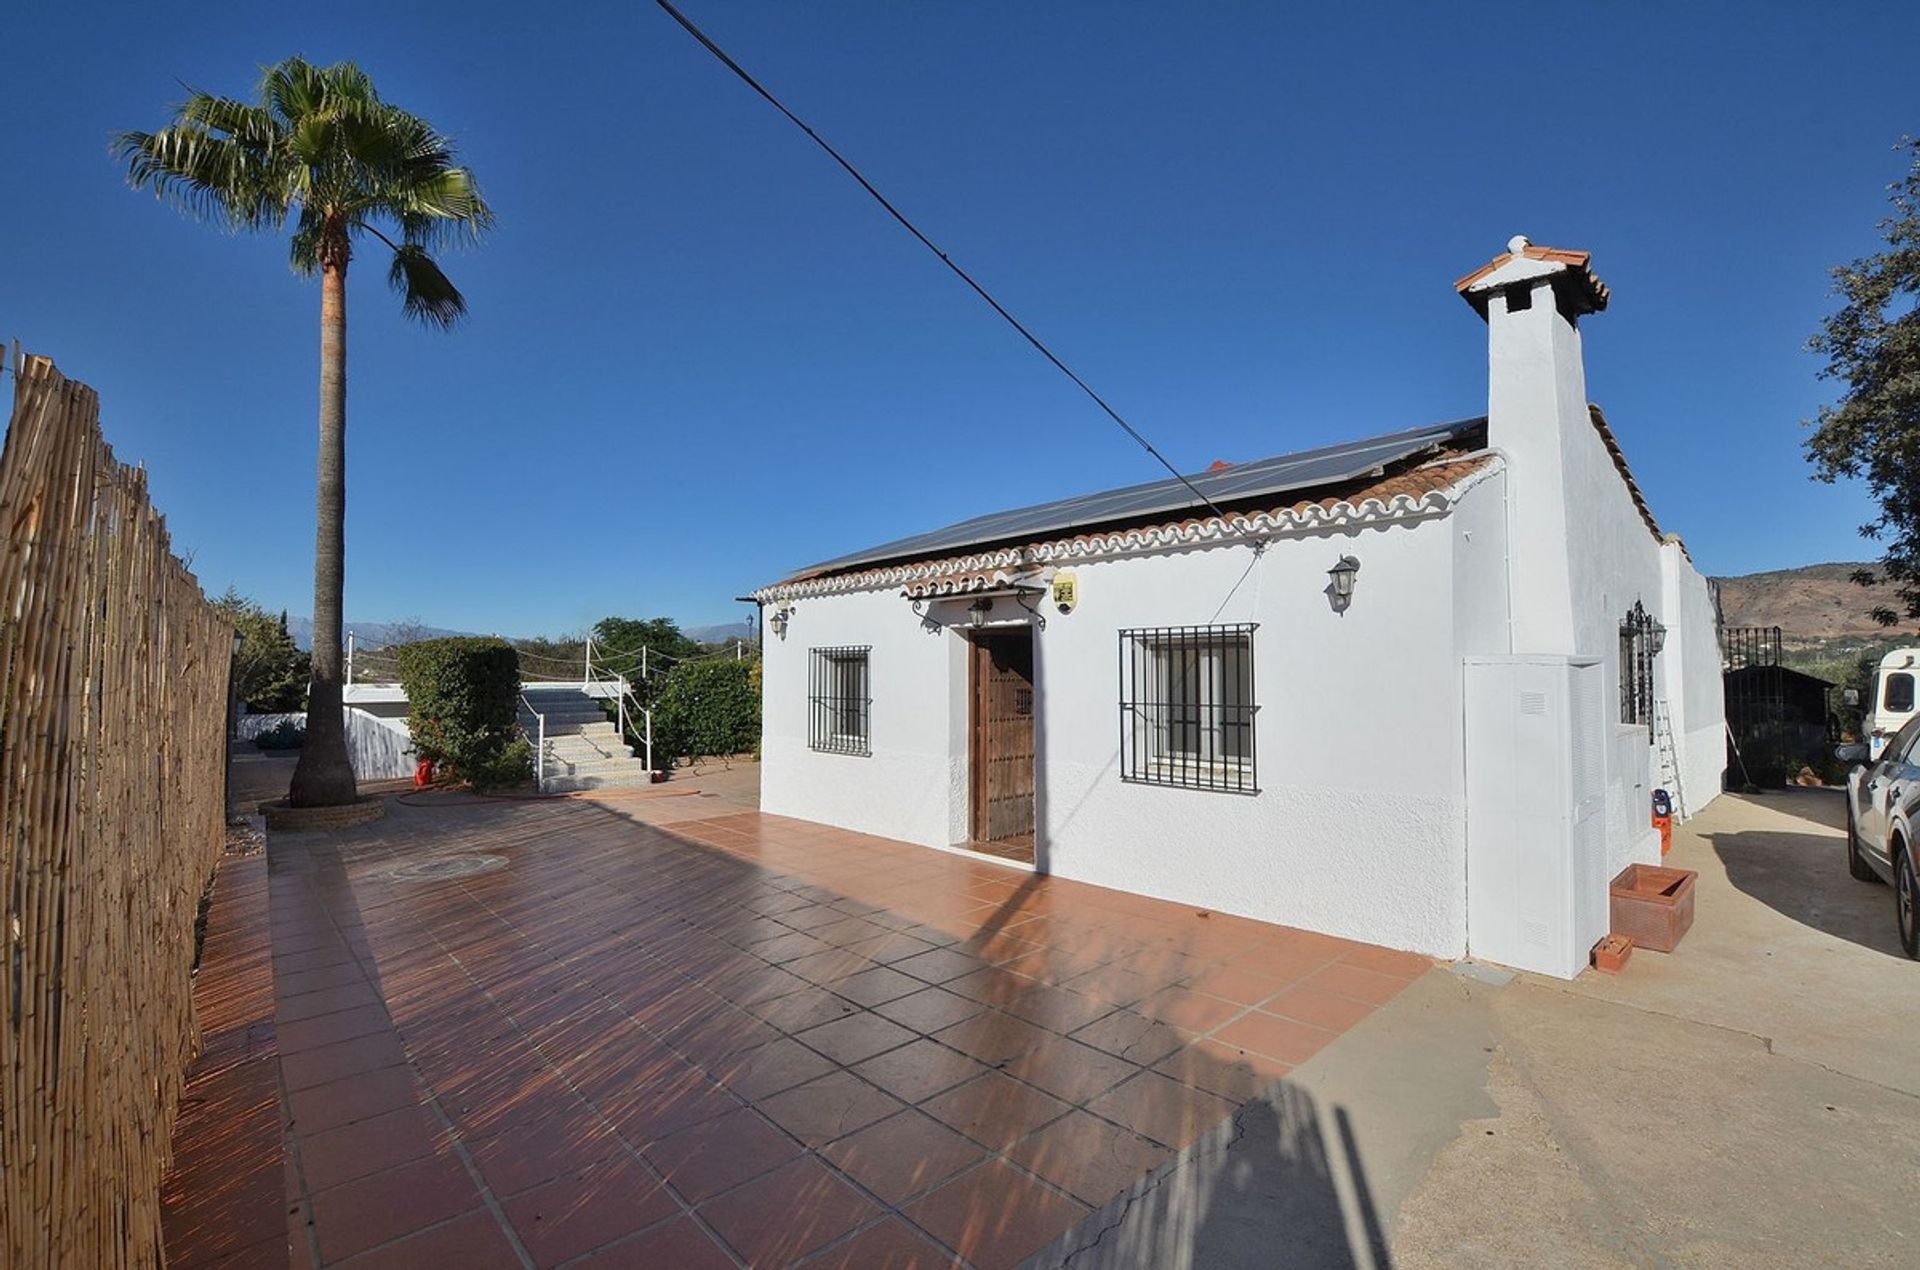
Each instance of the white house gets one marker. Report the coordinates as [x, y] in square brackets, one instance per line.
[1415, 690]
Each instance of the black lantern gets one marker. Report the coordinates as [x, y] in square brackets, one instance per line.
[1342, 576]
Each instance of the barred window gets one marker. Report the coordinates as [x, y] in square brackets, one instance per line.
[837, 700]
[1640, 640]
[1187, 707]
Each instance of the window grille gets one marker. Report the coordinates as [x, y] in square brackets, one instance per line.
[1187, 707]
[837, 700]
[1640, 640]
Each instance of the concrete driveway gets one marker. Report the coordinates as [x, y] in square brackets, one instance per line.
[1752, 1099]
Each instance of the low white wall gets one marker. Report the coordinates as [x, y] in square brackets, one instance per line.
[913, 785]
[380, 749]
[249, 726]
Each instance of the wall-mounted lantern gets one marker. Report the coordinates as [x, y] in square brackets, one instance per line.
[1341, 577]
[779, 618]
[978, 610]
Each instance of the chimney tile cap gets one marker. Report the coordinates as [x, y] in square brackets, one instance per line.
[1578, 291]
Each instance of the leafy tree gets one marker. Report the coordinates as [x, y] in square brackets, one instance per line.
[269, 673]
[1872, 347]
[623, 637]
[322, 150]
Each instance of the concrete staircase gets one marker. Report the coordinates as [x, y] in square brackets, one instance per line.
[584, 748]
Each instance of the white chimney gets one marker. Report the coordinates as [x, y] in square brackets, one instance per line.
[1533, 299]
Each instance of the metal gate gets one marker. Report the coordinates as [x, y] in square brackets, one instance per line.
[1758, 750]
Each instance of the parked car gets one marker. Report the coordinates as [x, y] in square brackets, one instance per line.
[1883, 808]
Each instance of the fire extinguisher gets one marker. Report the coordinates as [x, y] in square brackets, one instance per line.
[1663, 819]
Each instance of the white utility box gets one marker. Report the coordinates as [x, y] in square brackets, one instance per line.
[1536, 811]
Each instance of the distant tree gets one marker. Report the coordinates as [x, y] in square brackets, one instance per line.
[270, 673]
[321, 148]
[1872, 347]
[622, 638]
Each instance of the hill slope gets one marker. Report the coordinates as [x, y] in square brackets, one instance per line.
[1815, 604]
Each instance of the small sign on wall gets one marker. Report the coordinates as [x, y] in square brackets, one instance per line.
[1066, 590]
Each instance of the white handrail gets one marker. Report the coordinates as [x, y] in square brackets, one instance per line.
[539, 747]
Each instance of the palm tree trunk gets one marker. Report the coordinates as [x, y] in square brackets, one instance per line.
[324, 775]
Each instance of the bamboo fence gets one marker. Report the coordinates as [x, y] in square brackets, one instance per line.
[113, 671]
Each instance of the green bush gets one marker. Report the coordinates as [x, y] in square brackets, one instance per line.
[284, 735]
[510, 769]
[463, 699]
[704, 708]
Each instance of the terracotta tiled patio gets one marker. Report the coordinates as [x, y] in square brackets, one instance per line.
[579, 1038]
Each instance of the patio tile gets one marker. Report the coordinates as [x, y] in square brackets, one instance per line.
[828, 1108]
[1057, 1009]
[1071, 1071]
[1115, 984]
[1352, 981]
[856, 1037]
[594, 1206]
[995, 1109]
[992, 985]
[797, 1011]
[1275, 1037]
[1188, 1011]
[329, 1106]
[888, 1245]
[993, 1037]
[940, 965]
[706, 1159]
[371, 1211]
[473, 1240]
[1388, 961]
[916, 1072]
[788, 1213]
[880, 984]
[336, 1156]
[529, 1153]
[1227, 1070]
[344, 1025]
[1234, 983]
[1322, 1009]
[1087, 1157]
[1165, 1110]
[768, 1069]
[930, 1010]
[324, 1064]
[679, 1244]
[1132, 1036]
[995, 1216]
[903, 1155]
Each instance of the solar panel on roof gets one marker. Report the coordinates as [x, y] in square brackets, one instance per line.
[1305, 469]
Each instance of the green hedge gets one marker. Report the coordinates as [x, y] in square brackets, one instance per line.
[463, 698]
[706, 707]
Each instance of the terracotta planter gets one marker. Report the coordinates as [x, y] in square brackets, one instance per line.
[1653, 906]
[1610, 955]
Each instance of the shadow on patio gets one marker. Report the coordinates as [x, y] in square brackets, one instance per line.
[579, 1034]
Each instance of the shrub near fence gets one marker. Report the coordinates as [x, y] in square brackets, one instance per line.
[463, 703]
[113, 685]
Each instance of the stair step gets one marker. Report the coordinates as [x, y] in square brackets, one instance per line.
[569, 784]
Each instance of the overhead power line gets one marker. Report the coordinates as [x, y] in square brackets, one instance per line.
[928, 243]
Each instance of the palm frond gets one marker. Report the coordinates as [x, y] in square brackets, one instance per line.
[426, 294]
[208, 177]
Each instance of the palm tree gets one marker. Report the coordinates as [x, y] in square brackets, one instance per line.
[321, 150]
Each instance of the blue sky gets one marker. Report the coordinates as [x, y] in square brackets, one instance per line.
[699, 356]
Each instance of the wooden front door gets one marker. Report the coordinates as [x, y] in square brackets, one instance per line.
[1003, 750]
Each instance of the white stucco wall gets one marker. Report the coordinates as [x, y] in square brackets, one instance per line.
[913, 786]
[1358, 828]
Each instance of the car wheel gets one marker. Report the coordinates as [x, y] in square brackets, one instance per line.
[1857, 867]
[1907, 903]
